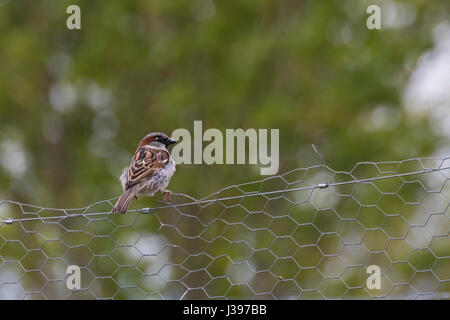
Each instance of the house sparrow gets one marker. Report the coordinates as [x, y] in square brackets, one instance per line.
[150, 171]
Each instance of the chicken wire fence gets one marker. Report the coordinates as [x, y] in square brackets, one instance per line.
[309, 233]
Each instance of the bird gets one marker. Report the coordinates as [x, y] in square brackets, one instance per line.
[150, 171]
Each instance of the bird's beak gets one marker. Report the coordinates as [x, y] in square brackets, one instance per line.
[170, 141]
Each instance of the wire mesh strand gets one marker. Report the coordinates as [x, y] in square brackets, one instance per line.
[309, 233]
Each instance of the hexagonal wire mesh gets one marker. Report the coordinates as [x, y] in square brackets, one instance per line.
[309, 233]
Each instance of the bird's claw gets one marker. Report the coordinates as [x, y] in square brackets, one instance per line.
[167, 195]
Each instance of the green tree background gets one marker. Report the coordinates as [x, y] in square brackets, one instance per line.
[73, 104]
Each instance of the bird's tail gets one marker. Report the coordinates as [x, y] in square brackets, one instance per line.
[124, 201]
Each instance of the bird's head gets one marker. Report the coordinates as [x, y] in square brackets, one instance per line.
[157, 139]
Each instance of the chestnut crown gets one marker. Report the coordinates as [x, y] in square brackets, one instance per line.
[157, 138]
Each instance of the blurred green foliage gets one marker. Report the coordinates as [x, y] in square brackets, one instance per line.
[310, 68]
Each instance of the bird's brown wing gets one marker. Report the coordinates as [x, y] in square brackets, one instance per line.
[145, 164]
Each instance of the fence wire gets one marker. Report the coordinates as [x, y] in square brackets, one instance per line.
[310, 233]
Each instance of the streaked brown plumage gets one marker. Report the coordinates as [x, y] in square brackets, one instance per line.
[150, 170]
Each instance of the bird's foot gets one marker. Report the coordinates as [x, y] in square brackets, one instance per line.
[167, 195]
[136, 198]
